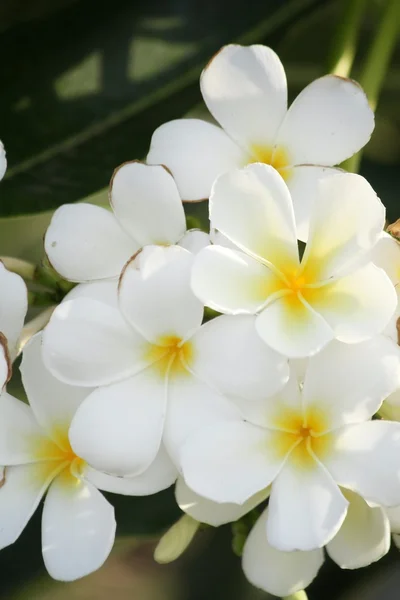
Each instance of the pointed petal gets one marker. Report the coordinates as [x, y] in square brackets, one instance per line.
[78, 529]
[147, 204]
[293, 328]
[89, 343]
[54, 403]
[229, 354]
[231, 462]
[161, 474]
[365, 459]
[195, 152]
[213, 513]
[328, 122]
[13, 307]
[20, 495]
[195, 240]
[118, 428]
[20, 434]
[155, 294]
[306, 508]
[85, 242]
[192, 406]
[276, 572]
[347, 222]
[357, 306]
[232, 282]
[349, 382]
[252, 207]
[364, 536]
[303, 185]
[245, 90]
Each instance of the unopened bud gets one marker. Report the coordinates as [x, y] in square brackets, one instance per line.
[175, 541]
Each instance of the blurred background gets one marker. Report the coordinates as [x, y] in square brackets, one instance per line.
[83, 86]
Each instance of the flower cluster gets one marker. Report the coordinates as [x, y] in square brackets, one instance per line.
[276, 405]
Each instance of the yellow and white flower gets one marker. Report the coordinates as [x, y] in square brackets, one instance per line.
[245, 90]
[335, 291]
[85, 242]
[308, 443]
[78, 524]
[159, 374]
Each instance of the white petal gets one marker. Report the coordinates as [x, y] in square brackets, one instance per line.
[303, 185]
[213, 513]
[293, 328]
[86, 242]
[3, 160]
[20, 495]
[230, 355]
[160, 475]
[393, 515]
[328, 122]
[232, 282]
[118, 428]
[357, 306]
[252, 207]
[386, 256]
[245, 90]
[346, 223]
[5, 363]
[350, 381]
[13, 307]
[78, 529]
[89, 343]
[276, 572]
[155, 295]
[147, 204]
[54, 403]
[195, 152]
[195, 240]
[365, 459]
[306, 508]
[231, 462]
[192, 406]
[105, 291]
[19, 432]
[364, 536]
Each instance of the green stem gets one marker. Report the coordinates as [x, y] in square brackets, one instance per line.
[297, 596]
[344, 42]
[377, 62]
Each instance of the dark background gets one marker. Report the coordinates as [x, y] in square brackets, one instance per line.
[84, 84]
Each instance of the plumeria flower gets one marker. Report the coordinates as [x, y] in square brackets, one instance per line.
[13, 307]
[78, 524]
[85, 242]
[307, 443]
[159, 374]
[333, 292]
[245, 90]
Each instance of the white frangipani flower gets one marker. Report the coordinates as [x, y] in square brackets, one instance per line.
[333, 292]
[363, 538]
[159, 374]
[13, 307]
[306, 443]
[85, 242]
[78, 524]
[245, 90]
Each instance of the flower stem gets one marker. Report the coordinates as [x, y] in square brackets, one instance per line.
[344, 42]
[376, 64]
[297, 596]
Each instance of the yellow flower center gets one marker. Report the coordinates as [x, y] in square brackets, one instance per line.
[59, 454]
[277, 157]
[303, 436]
[170, 356]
